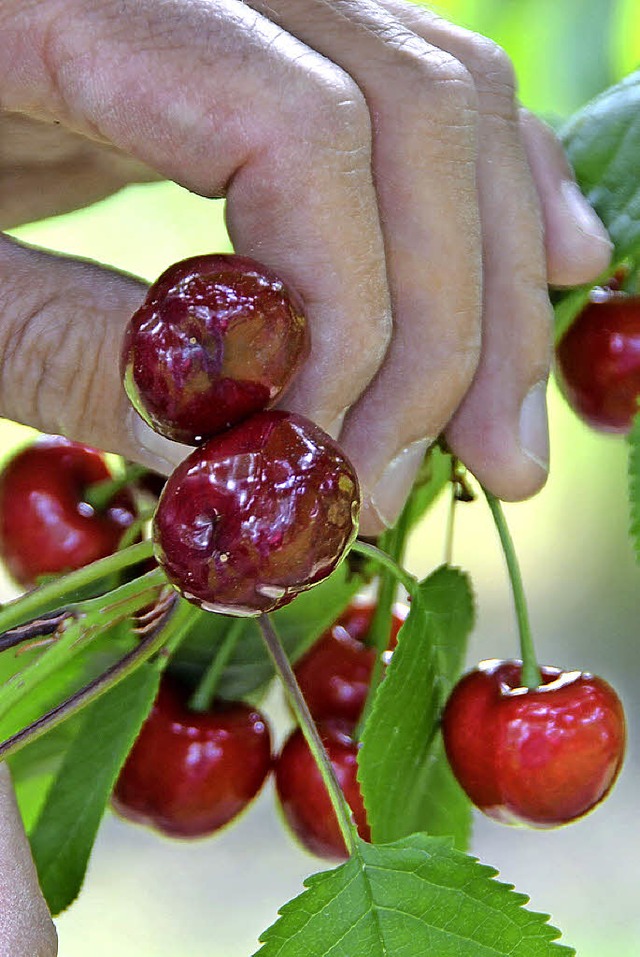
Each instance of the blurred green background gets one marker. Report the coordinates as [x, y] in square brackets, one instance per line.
[150, 898]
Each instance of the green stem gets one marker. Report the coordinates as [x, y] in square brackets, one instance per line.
[53, 594]
[531, 677]
[204, 694]
[167, 636]
[90, 618]
[99, 495]
[299, 705]
[386, 561]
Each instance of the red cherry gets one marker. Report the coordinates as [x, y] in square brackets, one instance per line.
[217, 338]
[334, 675]
[257, 515]
[542, 756]
[190, 773]
[598, 362]
[304, 798]
[46, 526]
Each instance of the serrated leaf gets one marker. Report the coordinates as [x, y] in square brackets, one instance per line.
[602, 141]
[66, 828]
[298, 624]
[418, 896]
[400, 733]
[633, 440]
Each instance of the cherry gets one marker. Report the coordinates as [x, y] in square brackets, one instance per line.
[304, 798]
[190, 773]
[334, 675]
[257, 515]
[598, 361]
[46, 526]
[542, 756]
[217, 338]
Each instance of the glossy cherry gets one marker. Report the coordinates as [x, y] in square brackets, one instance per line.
[217, 338]
[46, 525]
[303, 797]
[256, 515]
[598, 361]
[541, 757]
[334, 675]
[190, 773]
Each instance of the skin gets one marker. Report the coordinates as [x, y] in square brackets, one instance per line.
[371, 153]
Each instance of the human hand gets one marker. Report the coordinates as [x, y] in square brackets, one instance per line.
[371, 153]
[25, 926]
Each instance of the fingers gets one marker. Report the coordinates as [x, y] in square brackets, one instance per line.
[236, 106]
[26, 929]
[577, 245]
[423, 151]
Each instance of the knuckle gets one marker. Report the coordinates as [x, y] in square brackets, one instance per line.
[491, 68]
[335, 108]
[447, 87]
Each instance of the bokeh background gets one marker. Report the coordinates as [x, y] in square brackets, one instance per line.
[147, 897]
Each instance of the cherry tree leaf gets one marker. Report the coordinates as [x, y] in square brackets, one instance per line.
[417, 896]
[400, 760]
[65, 830]
[634, 484]
[602, 141]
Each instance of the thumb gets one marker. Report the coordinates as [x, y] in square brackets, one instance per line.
[26, 929]
[61, 326]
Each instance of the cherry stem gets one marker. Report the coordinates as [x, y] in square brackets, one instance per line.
[100, 494]
[531, 677]
[394, 542]
[170, 633]
[204, 694]
[54, 593]
[409, 582]
[307, 725]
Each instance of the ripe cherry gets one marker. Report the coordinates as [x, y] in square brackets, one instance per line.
[304, 798]
[46, 525]
[334, 675]
[256, 515]
[598, 361]
[217, 338]
[190, 773]
[541, 757]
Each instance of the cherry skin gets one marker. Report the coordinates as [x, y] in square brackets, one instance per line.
[190, 773]
[46, 526]
[335, 674]
[598, 361]
[256, 515]
[541, 757]
[217, 338]
[303, 797]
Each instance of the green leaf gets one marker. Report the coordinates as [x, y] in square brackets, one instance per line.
[65, 831]
[401, 732]
[431, 481]
[418, 896]
[602, 141]
[633, 439]
[249, 668]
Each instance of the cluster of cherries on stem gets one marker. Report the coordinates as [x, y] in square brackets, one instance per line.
[264, 507]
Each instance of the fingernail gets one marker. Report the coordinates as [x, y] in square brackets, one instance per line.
[534, 427]
[585, 217]
[160, 454]
[335, 427]
[391, 490]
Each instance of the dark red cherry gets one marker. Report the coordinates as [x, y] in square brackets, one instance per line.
[46, 525]
[190, 773]
[598, 361]
[541, 757]
[217, 338]
[256, 515]
[303, 797]
[334, 675]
